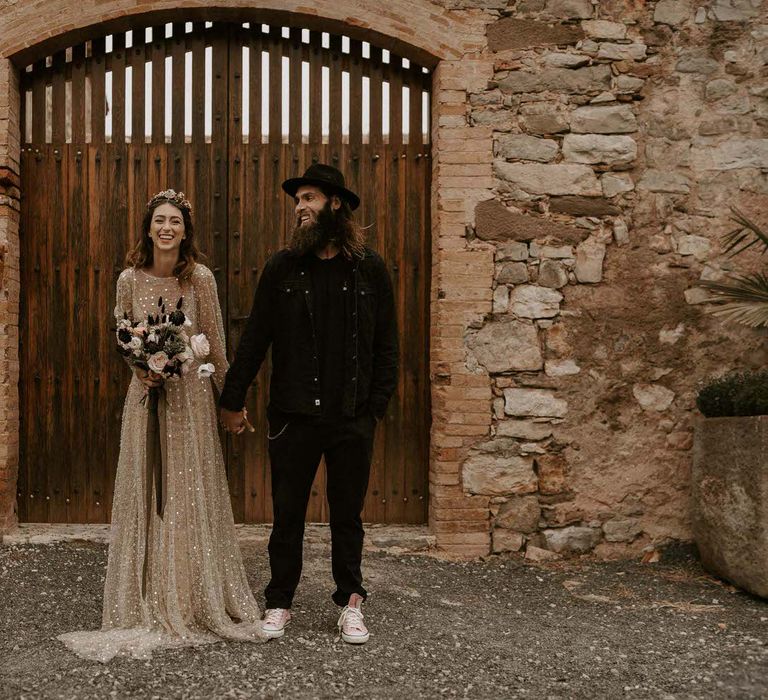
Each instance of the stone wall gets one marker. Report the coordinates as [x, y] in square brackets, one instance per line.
[585, 155]
[622, 132]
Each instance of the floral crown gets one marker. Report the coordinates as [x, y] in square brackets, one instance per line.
[178, 199]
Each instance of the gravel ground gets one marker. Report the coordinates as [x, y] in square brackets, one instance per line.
[482, 629]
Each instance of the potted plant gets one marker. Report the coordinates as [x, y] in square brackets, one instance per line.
[729, 482]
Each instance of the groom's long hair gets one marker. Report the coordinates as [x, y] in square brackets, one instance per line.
[336, 226]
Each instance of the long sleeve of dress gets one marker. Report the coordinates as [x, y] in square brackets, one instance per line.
[211, 323]
[124, 295]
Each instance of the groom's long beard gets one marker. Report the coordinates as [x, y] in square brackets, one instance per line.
[315, 236]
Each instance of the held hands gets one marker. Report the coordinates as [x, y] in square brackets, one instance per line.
[235, 421]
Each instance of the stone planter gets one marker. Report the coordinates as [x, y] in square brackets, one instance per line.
[729, 499]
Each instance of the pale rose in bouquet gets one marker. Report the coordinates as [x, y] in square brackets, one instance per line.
[160, 345]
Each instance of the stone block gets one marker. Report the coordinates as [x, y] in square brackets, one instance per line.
[512, 273]
[572, 539]
[566, 60]
[552, 274]
[603, 29]
[502, 346]
[513, 250]
[569, 9]
[531, 301]
[552, 471]
[735, 10]
[551, 252]
[496, 469]
[537, 554]
[542, 118]
[555, 179]
[511, 33]
[622, 52]
[525, 147]
[698, 246]
[507, 541]
[500, 299]
[533, 402]
[561, 368]
[616, 183]
[589, 261]
[673, 12]
[621, 529]
[653, 397]
[696, 61]
[731, 155]
[599, 148]
[519, 513]
[590, 79]
[661, 181]
[603, 119]
[494, 222]
[524, 429]
[729, 499]
[718, 89]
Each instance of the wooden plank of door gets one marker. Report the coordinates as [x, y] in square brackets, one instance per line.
[58, 439]
[178, 85]
[275, 44]
[58, 98]
[334, 95]
[355, 59]
[395, 79]
[39, 106]
[295, 56]
[315, 88]
[79, 346]
[255, 87]
[118, 63]
[375, 81]
[35, 359]
[78, 94]
[137, 57]
[97, 65]
[157, 55]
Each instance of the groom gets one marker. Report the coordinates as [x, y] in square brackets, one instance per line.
[325, 305]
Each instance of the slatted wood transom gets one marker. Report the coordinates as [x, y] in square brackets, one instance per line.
[224, 112]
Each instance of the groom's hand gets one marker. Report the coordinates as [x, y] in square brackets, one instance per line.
[233, 421]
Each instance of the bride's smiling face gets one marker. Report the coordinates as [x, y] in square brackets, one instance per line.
[167, 227]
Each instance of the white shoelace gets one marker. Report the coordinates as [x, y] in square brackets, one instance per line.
[353, 617]
[274, 616]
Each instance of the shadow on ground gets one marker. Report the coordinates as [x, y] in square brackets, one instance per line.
[499, 628]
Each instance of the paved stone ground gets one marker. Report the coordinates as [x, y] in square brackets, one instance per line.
[483, 629]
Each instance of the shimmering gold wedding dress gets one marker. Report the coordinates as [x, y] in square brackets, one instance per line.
[194, 589]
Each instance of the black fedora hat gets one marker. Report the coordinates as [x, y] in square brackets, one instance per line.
[322, 175]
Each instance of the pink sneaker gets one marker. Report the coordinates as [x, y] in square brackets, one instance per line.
[274, 622]
[351, 625]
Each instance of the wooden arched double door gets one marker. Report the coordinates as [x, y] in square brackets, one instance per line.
[224, 112]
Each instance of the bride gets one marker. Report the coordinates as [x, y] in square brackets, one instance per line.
[175, 575]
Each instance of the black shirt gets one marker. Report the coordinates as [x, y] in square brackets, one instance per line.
[331, 289]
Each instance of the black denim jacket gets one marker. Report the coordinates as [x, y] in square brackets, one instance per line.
[282, 316]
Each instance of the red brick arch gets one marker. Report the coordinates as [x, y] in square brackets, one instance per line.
[453, 43]
[420, 28]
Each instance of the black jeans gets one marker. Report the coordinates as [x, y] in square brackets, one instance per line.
[295, 448]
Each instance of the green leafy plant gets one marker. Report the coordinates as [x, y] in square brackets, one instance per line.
[744, 298]
[735, 394]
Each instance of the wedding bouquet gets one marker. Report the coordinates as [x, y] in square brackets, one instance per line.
[160, 345]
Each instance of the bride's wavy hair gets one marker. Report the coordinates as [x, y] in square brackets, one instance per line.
[142, 254]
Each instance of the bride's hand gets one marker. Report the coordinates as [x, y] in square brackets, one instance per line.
[233, 421]
[149, 379]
